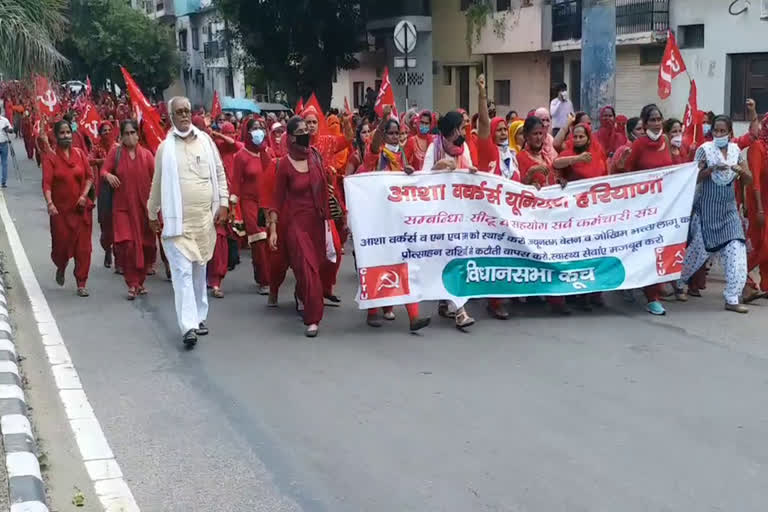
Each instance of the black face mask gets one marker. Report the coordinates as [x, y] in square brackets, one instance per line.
[459, 141]
[303, 140]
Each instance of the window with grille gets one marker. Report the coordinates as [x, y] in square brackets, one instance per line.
[749, 79]
[183, 40]
[502, 92]
[690, 36]
[195, 39]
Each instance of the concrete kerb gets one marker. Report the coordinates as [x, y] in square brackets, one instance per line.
[25, 482]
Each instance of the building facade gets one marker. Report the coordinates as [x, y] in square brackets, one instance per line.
[527, 47]
[206, 66]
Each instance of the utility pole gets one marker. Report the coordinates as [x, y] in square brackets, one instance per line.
[228, 48]
[598, 56]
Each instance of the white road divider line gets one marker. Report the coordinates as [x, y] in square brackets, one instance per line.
[100, 463]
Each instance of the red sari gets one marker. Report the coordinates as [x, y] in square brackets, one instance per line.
[758, 235]
[252, 184]
[381, 162]
[65, 178]
[647, 154]
[218, 266]
[301, 200]
[135, 242]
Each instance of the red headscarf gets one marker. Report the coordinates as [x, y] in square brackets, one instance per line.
[227, 128]
[583, 170]
[610, 138]
[199, 122]
[109, 140]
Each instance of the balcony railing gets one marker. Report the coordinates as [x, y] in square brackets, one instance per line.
[632, 16]
[212, 50]
[566, 20]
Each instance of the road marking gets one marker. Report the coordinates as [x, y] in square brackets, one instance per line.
[109, 485]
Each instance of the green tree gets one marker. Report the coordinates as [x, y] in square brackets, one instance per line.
[107, 34]
[299, 44]
[29, 30]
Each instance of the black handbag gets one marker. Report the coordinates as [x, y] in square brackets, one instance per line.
[104, 204]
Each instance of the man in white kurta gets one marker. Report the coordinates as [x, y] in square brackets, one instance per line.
[190, 188]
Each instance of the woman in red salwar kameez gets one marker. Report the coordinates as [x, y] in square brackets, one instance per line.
[300, 204]
[96, 157]
[385, 154]
[252, 185]
[67, 179]
[128, 169]
[650, 152]
[329, 146]
[757, 203]
[217, 268]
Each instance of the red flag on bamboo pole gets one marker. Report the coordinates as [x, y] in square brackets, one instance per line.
[693, 120]
[671, 66]
[386, 96]
[346, 107]
[215, 107]
[90, 121]
[299, 107]
[88, 88]
[151, 125]
[47, 102]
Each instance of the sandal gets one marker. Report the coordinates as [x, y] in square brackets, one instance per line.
[218, 293]
[463, 320]
[60, 276]
[311, 331]
[83, 292]
[389, 316]
[443, 309]
[272, 301]
[132, 294]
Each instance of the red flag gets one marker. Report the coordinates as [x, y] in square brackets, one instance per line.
[314, 106]
[215, 106]
[47, 102]
[346, 107]
[386, 96]
[671, 65]
[90, 121]
[88, 88]
[693, 120]
[151, 126]
[299, 107]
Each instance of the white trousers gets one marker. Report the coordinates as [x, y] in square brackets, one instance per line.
[189, 288]
[733, 258]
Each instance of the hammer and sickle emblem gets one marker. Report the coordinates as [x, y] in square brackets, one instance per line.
[93, 127]
[48, 99]
[389, 281]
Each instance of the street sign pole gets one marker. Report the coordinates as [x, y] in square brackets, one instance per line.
[406, 70]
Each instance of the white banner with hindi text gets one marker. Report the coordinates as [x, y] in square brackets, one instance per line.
[457, 236]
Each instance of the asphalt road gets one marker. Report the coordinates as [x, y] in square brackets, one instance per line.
[606, 411]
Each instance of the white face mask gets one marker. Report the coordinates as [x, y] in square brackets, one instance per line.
[676, 141]
[722, 142]
[653, 135]
[257, 136]
[394, 148]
